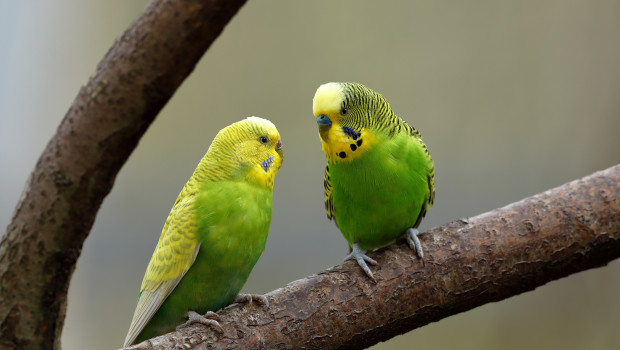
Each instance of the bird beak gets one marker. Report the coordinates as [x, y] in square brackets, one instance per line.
[279, 149]
[325, 125]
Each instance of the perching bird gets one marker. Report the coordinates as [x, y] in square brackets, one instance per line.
[379, 178]
[214, 234]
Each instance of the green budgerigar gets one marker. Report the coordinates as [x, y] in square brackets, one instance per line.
[214, 234]
[379, 178]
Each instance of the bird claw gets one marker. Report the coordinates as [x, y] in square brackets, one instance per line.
[248, 298]
[414, 242]
[359, 255]
[208, 319]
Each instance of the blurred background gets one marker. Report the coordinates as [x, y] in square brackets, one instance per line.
[512, 98]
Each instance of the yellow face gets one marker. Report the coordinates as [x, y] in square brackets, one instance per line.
[262, 150]
[340, 143]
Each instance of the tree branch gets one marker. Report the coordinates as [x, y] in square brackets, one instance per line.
[78, 166]
[469, 262]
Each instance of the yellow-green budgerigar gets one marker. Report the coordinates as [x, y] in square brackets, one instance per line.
[214, 234]
[379, 178]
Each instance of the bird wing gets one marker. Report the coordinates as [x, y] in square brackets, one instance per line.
[429, 171]
[430, 180]
[175, 253]
[329, 204]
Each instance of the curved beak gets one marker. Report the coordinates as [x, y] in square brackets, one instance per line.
[279, 149]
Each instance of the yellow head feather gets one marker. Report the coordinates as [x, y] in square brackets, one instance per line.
[250, 150]
[328, 97]
[340, 142]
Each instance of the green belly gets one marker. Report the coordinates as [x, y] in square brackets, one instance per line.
[233, 238]
[379, 196]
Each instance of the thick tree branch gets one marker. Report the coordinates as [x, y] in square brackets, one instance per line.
[78, 167]
[469, 262]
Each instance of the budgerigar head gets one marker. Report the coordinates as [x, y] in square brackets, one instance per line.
[345, 112]
[251, 149]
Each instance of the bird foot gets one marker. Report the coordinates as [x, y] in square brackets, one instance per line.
[248, 298]
[359, 255]
[208, 319]
[414, 242]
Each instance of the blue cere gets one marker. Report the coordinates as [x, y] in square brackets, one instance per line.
[323, 120]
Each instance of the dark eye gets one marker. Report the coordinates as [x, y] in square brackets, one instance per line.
[344, 111]
[263, 140]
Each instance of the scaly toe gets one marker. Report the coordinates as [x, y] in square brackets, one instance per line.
[414, 242]
[248, 298]
[359, 255]
[209, 319]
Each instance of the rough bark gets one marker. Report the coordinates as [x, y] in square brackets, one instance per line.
[78, 166]
[469, 262]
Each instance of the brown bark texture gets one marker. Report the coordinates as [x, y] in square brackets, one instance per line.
[77, 169]
[468, 262]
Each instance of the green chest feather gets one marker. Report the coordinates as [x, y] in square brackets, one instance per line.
[232, 221]
[378, 195]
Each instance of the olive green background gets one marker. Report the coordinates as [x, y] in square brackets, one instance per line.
[512, 98]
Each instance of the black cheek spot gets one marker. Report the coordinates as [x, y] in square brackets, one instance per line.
[342, 155]
[353, 147]
[359, 142]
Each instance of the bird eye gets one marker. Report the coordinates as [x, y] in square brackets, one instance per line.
[263, 140]
[344, 111]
